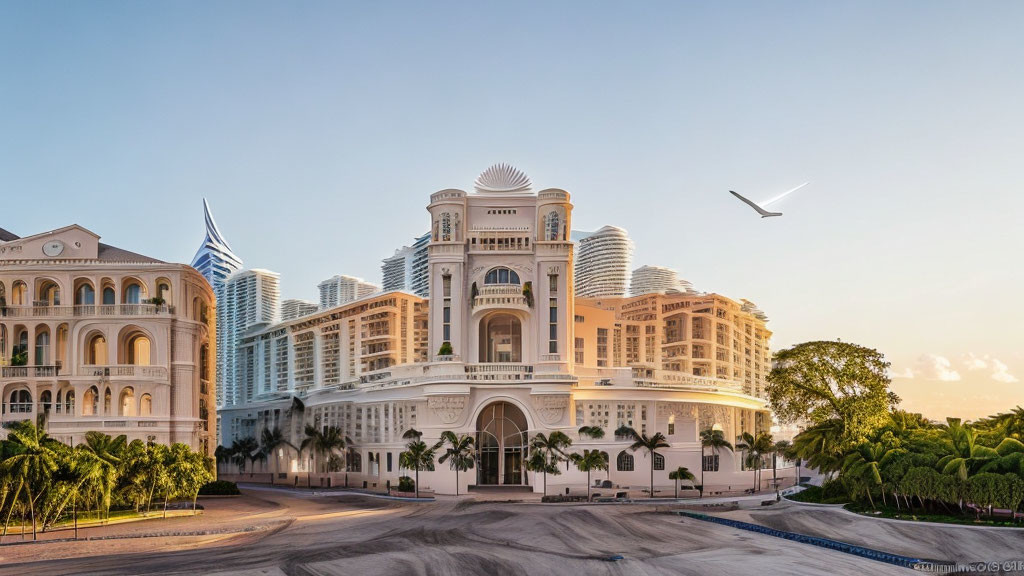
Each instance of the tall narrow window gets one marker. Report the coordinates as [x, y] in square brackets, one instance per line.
[553, 325]
[578, 348]
[602, 347]
[446, 321]
[446, 227]
[551, 226]
[553, 283]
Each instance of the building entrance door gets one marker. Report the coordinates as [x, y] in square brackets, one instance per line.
[501, 444]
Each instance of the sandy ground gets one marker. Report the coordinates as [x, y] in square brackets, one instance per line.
[348, 534]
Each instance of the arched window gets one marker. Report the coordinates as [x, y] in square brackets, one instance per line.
[624, 462]
[48, 293]
[136, 350]
[501, 339]
[355, 461]
[163, 290]
[106, 401]
[446, 227]
[127, 402]
[69, 402]
[551, 227]
[501, 275]
[133, 293]
[19, 294]
[21, 402]
[43, 348]
[96, 352]
[46, 399]
[108, 296]
[659, 461]
[85, 295]
[90, 402]
[146, 405]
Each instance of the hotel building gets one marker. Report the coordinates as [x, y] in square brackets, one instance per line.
[602, 262]
[657, 280]
[251, 300]
[99, 338]
[293, 308]
[340, 289]
[407, 269]
[504, 350]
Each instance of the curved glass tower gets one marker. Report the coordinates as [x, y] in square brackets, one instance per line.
[215, 261]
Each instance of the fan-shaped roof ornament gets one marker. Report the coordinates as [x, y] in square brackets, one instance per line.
[502, 179]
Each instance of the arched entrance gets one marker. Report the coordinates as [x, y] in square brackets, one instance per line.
[501, 338]
[501, 445]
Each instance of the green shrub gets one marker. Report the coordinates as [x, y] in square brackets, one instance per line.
[406, 484]
[219, 488]
[446, 349]
[833, 489]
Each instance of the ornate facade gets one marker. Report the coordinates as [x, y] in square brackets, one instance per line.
[504, 350]
[97, 338]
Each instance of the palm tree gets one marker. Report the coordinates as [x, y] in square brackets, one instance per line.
[242, 450]
[459, 453]
[779, 447]
[105, 452]
[270, 441]
[754, 447]
[650, 444]
[715, 439]
[594, 432]
[547, 452]
[821, 446]
[588, 461]
[31, 467]
[323, 442]
[968, 455]
[417, 455]
[863, 466]
[681, 473]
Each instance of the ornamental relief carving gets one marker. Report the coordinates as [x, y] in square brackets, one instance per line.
[677, 409]
[550, 408]
[447, 408]
[711, 414]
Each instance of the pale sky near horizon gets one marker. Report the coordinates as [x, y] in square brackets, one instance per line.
[318, 131]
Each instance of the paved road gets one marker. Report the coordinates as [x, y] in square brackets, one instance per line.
[345, 534]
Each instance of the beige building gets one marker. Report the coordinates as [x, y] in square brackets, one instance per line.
[98, 338]
[503, 351]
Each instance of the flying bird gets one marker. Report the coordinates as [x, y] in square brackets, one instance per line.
[760, 208]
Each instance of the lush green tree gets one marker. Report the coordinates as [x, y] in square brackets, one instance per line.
[589, 461]
[864, 465]
[754, 448]
[417, 456]
[968, 456]
[681, 473]
[458, 453]
[323, 443]
[715, 440]
[824, 381]
[649, 444]
[821, 446]
[101, 455]
[31, 466]
[546, 451]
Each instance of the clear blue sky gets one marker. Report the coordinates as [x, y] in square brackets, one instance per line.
[318, 131]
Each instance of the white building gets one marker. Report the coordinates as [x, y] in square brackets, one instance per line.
[251, 299]
[339, 289]
[505, 350]
[602, 262]
[97, 338]
[657, 280]
[293, 308]
[407, 269]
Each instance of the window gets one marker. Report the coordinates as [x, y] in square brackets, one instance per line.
[553, 326]
[501, 276]
[43, 349]
[446, 227]
[711, 463]
[389, 461]
[132, 294]
[551, 227]
[553, 283]
[624, 462]
[579, 350]
[69, 402]
[446, 322]
[146, 405]
[659, 461]
[671, 428]
[108, 296]
[602, 347]
[85, 296]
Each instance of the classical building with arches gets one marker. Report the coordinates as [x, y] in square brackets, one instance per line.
[94, 337]
[504, 350]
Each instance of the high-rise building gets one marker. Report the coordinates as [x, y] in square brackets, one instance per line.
[96, 338]
[295, 308]
[602, 262]
[657, 280]
[407, 269]
[340, 289]
[251, 299]
[215, 261]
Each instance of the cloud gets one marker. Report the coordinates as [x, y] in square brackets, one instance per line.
[1000, 372]
[905, 373]
[935, 367]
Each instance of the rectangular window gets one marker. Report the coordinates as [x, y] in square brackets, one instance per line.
[711, 463]
[579, 350]
[671, 428]
[389, 461]
[446, 324]
[553, 326]
[553, 283]
[602, 347]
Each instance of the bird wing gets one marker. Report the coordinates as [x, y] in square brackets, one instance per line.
[784, 194]
[760, 210]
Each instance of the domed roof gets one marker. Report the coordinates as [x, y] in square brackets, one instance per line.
[502, 179]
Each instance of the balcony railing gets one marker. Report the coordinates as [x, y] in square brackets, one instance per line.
[29, 371]
[500, 296]
[499, 371]
[86, 310]
[124, 370]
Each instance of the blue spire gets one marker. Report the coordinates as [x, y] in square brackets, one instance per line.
[214, 259]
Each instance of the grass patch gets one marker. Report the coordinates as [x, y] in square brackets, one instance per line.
[918, 515]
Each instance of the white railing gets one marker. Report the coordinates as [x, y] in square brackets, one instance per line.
[29, 371]
[499, 371]
[123, 370]
[503, 295]
[86, 310]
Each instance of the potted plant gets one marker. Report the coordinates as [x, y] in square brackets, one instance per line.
[528, 293]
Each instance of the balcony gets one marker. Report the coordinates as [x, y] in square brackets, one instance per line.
[124, 371]
[29, 371]
[500, 296]
[42, 311]
[499, 371]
